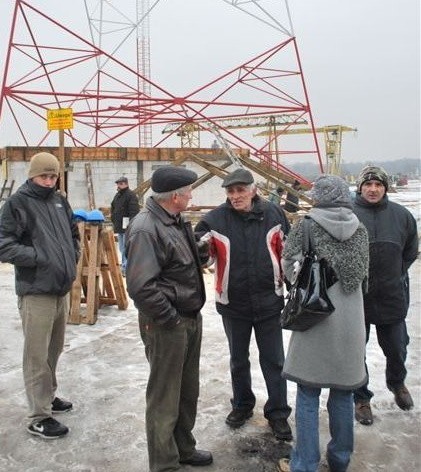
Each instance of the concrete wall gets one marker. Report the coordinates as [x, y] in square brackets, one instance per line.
[104, 174]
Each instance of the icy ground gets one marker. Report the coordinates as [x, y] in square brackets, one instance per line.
[103, 371]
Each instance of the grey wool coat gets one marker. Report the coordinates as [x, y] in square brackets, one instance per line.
[331, 354]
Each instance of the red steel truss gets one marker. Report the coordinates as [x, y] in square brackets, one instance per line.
[48, 66]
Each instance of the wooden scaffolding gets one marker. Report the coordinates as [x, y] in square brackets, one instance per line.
[99, 280]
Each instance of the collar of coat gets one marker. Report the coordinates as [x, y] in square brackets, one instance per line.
[359, 200]
[162, 214]
[256, 211]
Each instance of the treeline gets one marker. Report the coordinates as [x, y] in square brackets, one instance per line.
[406, 166]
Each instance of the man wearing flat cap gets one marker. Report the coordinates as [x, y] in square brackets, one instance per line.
[164, 279]
[393, 248]
[246, 235]
[124, 207]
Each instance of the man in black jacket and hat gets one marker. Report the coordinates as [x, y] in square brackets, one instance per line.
[246, 235]
[393, 241]
[124, 207]
[165, 281]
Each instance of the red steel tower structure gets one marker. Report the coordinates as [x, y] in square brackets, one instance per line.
[49, 66]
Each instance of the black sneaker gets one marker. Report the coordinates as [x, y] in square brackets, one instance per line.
[48, 428]
[238, 417]
[281, 429]
[60, 406]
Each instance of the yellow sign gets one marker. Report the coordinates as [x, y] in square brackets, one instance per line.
[61, 118]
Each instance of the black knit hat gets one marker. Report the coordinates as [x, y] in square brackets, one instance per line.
[238, 176]
[373, 173]
[169, 178]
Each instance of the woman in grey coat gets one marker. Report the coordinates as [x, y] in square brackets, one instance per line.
[331, 354]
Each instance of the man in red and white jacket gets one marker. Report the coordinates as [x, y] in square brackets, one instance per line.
[245, 236]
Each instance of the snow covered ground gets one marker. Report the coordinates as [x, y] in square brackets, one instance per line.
[104, 372]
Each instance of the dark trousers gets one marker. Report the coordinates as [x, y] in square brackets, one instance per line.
[172, 391]
[268, 336]
[393, 339]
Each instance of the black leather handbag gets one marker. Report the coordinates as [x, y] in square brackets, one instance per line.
[307, 301]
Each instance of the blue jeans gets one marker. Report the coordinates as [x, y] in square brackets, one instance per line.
[393, 340]
[305, 456]
[122, 248]
[268, 336]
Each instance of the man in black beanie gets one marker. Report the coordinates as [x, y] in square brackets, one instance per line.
[393, 248]
[164, 279]
[40, 238]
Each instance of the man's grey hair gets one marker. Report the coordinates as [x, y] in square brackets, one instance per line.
[165, 196]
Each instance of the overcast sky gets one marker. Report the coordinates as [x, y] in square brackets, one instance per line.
[361, 59]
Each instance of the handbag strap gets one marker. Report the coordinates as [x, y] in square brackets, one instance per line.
[308, 250]
[308, 242]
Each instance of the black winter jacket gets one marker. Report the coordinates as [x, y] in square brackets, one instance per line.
[125, 204]
[248, 250]
[39, 236]
[164, 275]
[393, 241]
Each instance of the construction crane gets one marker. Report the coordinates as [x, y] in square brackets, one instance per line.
[332, 137]
[189, 130]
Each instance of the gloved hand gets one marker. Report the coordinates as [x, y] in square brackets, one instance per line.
[203, 248]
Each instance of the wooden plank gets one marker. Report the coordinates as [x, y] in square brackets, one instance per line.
[107, 292]
[24, 153]
[144, 186]
[93, 276]
[114, 268]
[76, 291]
[212, 169]
[90, 185]
[107, 296]
[205, 177]
[277, 178]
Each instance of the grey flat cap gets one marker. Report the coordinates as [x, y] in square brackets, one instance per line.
[238, 176]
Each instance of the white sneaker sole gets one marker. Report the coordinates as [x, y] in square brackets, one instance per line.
[43, 436]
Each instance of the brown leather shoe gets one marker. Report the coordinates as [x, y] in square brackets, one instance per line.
[363, 413]
[403, 398]
[283, 466]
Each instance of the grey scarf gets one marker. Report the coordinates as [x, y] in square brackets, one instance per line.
[348, 258]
